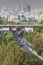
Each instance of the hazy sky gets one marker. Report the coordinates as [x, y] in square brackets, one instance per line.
[13, 3]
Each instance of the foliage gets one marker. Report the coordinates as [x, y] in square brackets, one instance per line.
[9, 36]
[36, 38]
[41, 22]
[38, 43]
[1, 21]
[12, 54]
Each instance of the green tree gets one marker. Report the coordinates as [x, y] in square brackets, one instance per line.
[1, 21]
[38, 43]
[9, 36]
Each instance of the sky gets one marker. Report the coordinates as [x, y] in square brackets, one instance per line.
[12, 4]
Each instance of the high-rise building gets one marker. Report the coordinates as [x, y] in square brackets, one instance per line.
[24, 9]
[28, 7]
[18, 5]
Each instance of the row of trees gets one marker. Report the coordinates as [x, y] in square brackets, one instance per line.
[5, 21]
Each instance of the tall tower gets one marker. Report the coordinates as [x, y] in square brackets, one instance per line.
[19, 5]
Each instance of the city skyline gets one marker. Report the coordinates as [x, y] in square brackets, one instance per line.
[12, 4]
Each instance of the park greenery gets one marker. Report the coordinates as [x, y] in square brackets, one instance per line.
[12, 54]
[36, 38]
